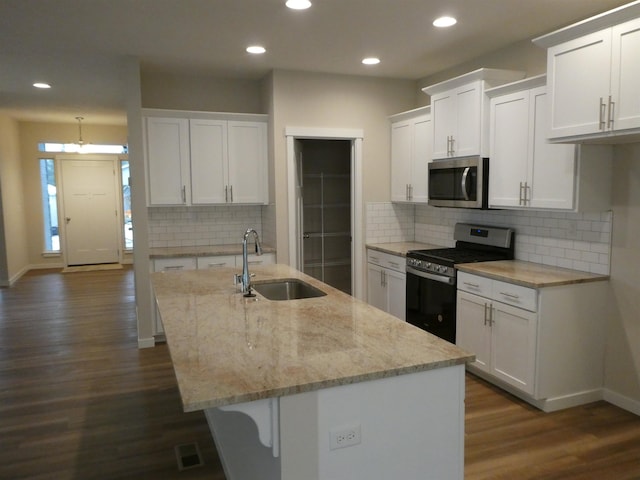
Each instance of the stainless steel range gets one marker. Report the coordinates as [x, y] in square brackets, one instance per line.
[431, 274]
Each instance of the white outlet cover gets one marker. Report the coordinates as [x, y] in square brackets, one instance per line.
[346, 436]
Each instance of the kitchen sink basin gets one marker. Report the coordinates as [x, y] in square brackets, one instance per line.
[286, 289]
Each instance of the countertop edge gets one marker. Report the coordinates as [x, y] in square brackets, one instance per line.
[400, 248]
[202, 251]
[314, 386]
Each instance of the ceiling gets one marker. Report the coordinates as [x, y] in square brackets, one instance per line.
[78, 45]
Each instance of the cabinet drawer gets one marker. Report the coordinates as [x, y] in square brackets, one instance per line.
[386, 260]
[174, 264]
[216, 261]
[516, 295]
[475, 284]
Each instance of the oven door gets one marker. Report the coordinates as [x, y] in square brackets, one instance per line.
[431, 303]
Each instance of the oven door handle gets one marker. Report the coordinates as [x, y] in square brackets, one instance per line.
[432, 276]
[465, 176]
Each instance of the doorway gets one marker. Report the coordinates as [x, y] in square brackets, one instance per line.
[90, 210]
[351, 141]
[324, 176]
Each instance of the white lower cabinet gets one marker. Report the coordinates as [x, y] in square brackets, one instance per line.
[386, 282]
[502, 337]
[544, 345]
[204, 263]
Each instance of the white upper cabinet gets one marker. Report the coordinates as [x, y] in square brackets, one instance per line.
[199, 158]
[209, 163]
[528, 172]
[410, 155]
[167, 160]
[593, 71]
[460, 112]
[247, 162]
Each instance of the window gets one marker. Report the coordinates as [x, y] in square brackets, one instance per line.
[85, 148]
[126, 205]
[49, 205]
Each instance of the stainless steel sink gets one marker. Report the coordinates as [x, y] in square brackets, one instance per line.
[286, 289]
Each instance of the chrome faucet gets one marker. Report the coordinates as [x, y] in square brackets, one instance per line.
[246, 277]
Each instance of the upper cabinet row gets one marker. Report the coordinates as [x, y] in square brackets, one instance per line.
[195, 158]
[460, 112]
[593, 71]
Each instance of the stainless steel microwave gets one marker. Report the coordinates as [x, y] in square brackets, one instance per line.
[459, 182]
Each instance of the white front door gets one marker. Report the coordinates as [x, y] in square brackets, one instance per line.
[90, 206]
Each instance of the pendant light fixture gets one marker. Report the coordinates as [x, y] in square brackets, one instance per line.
[81, 146]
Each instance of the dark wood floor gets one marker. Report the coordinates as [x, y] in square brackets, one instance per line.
[79, 400]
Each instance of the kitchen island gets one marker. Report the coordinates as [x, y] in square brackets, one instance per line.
[317, 388]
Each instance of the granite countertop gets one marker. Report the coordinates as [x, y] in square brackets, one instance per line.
[400, 248]
[228, 349]
[529, 274]
[203, 251]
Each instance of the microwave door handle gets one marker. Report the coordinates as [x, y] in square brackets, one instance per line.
[465, 176]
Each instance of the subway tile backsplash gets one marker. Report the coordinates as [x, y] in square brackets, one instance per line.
[202, 225]
[580, 241]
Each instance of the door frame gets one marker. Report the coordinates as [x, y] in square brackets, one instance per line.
[356, 137]
[62, 225]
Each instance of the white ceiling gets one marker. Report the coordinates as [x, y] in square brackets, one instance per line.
[78, 45]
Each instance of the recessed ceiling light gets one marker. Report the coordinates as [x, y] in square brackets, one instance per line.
[256, 49]
[371, 61]
[444, 22]
[41, 85]
[298, 4]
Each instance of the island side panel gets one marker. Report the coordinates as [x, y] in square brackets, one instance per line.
[411, 426]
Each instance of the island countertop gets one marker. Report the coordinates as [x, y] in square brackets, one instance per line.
[228, 349]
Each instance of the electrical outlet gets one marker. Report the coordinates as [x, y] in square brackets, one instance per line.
[344, 437]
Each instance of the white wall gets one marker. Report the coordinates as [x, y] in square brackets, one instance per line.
[622, 367]
[341, 102]
[14, 258]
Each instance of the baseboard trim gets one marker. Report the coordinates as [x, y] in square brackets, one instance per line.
[146, 342]
[545, 404]
[626, 403]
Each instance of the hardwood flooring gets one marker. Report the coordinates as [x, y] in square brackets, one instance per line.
[79, 400]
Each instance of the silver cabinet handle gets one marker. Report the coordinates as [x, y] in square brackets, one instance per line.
[485, 314]
[472, 285]
[394, 264]
[231, 189]
[226, 193]
[410, 192]
[510, 295]
[173, 267]
[215, 265]
[184, 194]
[612, 106]
[602, 106]
[521, 196]
[527, 188]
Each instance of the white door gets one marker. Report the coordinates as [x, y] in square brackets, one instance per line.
[90, 206]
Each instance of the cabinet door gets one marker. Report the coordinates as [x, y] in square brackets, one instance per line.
[513, 346]
[509, 147]
[552, 174]
[401, 156]
[578, 76]
[443, 116]
[376, 292]
[422, 148]
[208, 161]
[466, 140]
[625, 75]
[472, 332]
[396, 285]
[167, 156]
[247, 162]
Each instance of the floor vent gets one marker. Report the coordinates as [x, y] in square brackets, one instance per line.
[188, 456]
